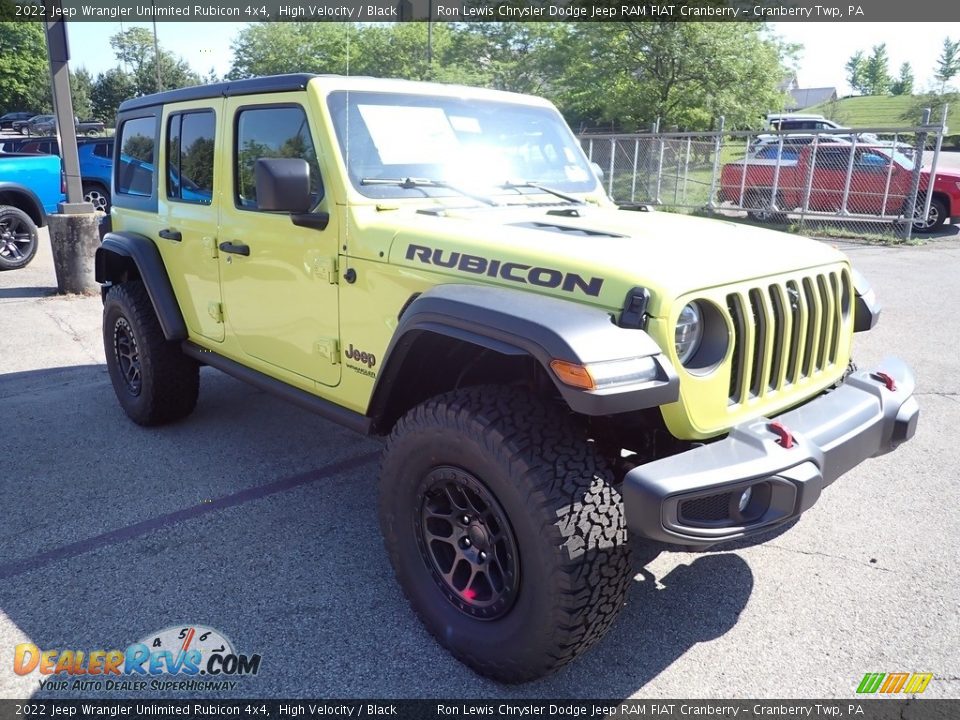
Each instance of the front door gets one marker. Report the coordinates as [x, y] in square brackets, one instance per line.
[279, 280]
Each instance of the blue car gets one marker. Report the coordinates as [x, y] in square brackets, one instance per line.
[96, 165]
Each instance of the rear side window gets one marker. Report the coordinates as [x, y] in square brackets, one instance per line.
[135, 169]
[271, 132]
[190, 138]
[104, 150]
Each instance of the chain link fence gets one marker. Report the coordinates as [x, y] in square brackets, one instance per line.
[863, 182]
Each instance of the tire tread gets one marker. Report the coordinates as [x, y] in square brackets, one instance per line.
[174, 384]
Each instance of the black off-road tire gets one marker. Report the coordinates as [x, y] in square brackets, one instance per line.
[559, 502]
[154, 381]
[19, 238]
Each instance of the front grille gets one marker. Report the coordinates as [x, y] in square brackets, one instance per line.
[711, 508]
[785, 332]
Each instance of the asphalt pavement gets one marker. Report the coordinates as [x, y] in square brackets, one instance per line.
[258, 520]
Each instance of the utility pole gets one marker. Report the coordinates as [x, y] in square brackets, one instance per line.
[430, 39]
[156, 46]
[74, 228]
[58, 53]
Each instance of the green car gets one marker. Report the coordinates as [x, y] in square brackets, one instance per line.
[439, 266]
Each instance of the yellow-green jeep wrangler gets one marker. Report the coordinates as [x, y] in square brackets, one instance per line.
[440, 266]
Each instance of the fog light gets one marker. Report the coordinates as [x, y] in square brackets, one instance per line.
[745, 499]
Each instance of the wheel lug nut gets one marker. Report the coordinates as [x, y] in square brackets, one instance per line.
[466, 542]
[465, 519]
[483, 556]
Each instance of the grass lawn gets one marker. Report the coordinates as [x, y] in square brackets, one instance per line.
[882, 111]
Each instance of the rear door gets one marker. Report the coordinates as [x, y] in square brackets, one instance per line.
[189, 186]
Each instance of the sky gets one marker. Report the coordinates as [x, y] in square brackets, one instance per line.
[827, 46]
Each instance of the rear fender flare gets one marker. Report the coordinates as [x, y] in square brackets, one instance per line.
[123, 254]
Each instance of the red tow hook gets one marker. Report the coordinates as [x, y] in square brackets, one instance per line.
[785, 436]
[886, 380]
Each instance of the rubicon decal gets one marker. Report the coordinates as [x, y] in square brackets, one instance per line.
[514, 272]
[188, 650]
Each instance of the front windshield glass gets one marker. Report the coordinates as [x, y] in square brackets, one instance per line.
[478, 144]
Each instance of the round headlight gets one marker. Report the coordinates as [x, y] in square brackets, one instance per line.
[689, 332]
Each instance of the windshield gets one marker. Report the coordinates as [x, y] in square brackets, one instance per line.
[478, 144]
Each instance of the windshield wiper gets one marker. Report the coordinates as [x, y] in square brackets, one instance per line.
[513, 185]
[411, 183]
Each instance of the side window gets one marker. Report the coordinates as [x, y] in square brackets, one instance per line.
[104, 150]
[873, 161]
[271, 132]
[190, 143]
[833, 159]
[135, 170]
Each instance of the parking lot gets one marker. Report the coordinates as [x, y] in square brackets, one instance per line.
[257, 519]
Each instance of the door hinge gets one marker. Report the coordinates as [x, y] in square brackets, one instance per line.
[210, 247]
[329, 348]
[215, 310]
[325, 268]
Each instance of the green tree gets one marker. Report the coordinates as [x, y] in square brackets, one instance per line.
[134, 48]
[271, 48]
[686, 74]
[24, 74]
[903, 85]
[518, 57]
[876, 74]
[948, 64]
[109, 90]
[855, 73]
[81, 93]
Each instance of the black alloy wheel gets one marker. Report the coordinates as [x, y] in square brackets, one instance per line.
[467, 543]
[127, 355]
[18, 238]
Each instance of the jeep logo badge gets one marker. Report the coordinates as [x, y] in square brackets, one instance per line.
[364, 358]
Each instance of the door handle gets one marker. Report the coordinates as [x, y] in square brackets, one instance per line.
[235, 248]
[168, 234]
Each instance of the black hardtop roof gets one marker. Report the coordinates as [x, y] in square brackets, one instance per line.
[252, 86]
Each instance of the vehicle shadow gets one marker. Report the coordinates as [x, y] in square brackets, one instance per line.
[259, 520]
[16, 293]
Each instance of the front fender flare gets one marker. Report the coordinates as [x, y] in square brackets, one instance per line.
[514, 322]
[117, 251]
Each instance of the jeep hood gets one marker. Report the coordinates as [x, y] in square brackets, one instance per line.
[594, 254]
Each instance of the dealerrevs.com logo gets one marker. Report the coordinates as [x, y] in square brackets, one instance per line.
[181, 657]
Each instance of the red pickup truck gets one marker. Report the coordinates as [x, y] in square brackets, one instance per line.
[880, 181]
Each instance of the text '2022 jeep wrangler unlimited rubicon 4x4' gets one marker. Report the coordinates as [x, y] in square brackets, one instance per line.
[439, 265]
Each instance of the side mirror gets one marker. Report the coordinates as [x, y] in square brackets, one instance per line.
[283, 184]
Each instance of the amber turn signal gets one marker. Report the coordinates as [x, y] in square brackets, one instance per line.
[573, 375]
